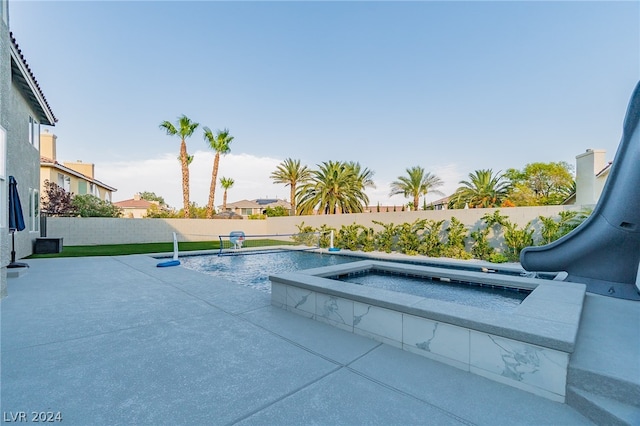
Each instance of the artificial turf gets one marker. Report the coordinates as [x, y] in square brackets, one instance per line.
[146, 248]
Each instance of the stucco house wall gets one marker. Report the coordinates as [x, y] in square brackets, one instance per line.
[21, 103]
[5, 90]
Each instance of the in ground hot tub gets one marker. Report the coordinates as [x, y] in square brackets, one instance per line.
[527, 347]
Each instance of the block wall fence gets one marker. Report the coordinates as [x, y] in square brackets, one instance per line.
[97, 231]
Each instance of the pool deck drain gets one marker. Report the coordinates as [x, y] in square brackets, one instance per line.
[115, 340]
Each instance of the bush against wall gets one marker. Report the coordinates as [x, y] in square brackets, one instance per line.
[427, 237]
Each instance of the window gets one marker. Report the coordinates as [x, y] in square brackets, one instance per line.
[34, 133]
[4, 208]
[34, 210]
[64, 182]
[247, 212]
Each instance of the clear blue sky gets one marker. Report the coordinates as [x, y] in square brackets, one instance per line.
[450, 86]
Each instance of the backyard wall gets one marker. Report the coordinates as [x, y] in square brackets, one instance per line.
[90, 231]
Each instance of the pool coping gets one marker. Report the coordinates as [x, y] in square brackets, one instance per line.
[548, 317]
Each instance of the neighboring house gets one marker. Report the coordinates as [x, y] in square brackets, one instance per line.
[441, 204]
[136, 207]
[76, 178]
[258, 206]
[23, 108]
[592, 171]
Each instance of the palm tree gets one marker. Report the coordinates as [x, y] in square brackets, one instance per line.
[220, 144]
[189, 159]
[291, 173]
[363, 176]
[225, 183]
[484, 189]
[184, 128]
[334, 188]
[416, 183]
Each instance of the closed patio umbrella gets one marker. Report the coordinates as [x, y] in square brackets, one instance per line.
[16, 220]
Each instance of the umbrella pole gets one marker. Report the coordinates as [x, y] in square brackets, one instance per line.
[13, 263]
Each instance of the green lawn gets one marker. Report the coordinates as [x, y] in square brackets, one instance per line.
[121, 249]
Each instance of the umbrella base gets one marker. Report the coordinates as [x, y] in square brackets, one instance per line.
[17, 265]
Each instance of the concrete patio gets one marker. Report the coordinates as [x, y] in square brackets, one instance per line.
[115, 340]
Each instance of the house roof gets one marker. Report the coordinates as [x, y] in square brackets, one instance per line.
[134, 204]
[27, 82]
[48, 162]
[258, 203]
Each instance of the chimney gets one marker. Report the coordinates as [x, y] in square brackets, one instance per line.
[48, 145]
[136, 196]
[86, 169]
[587, 166]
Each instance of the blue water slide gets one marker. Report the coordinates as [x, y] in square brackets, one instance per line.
[604, 251]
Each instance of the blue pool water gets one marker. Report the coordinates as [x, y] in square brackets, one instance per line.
[253, 270]
[491, 298]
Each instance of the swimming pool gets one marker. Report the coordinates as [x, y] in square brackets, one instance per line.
[495, 298]
[527, 347]
[253, 270]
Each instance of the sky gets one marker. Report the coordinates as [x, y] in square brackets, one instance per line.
[452, 87]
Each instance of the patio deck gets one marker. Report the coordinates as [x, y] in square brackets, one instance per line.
[115, 340]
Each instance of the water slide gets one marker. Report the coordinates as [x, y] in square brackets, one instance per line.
[604, 251]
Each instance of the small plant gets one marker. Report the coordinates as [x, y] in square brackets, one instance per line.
[431, 244]
[456, 236]
[306, 235]
[325, 235]
[480, 248]
[366, 239]
[516, 239]
[348, 236]
[384, 240]
[409, 236]
[497, 258]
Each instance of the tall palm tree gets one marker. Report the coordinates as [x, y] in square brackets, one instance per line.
[220, 144]
[363, 176]
[417, 182]
[334, 188]
[484, 189]
[225, 183]
[291, 173]
[184, 128]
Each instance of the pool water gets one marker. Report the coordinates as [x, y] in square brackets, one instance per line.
[491, 298]
[253, 270]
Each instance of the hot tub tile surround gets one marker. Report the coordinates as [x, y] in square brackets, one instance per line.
[527, 348]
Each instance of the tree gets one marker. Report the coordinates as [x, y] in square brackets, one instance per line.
[225, 183]
[334, 188]
[484, 189]
[185, 128]
[56, 201]
[220, 144]
[276, 211]
[291, 173]
[541, 183]
[151, 196]
[416, 183]
[88, 205]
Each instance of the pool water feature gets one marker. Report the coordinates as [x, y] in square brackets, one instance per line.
[527, 347]
[492, 297]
